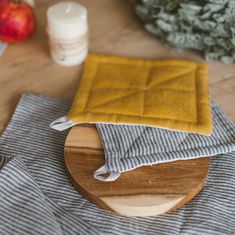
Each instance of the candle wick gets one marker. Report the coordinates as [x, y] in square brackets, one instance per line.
[68, 8]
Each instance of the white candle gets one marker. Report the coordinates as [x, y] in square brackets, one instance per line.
[67, 29]
[30, 2]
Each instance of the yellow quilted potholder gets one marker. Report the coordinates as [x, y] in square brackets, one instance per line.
[171, 94]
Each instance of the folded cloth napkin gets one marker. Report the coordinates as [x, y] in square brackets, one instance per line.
[127, 147]
[34, 187]
[171, 94]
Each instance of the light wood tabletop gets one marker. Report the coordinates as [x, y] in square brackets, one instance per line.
[114, 29]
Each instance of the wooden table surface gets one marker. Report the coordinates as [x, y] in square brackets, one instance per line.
[114, 29]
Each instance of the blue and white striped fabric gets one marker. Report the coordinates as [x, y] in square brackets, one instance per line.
[36, 196]
[26, 210]
[127, 147]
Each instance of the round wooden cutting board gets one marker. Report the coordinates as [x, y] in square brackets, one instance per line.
[145, 191]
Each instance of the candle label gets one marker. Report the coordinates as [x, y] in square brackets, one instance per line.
[64, 49]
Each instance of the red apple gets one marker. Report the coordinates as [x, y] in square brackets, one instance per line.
[17, 21]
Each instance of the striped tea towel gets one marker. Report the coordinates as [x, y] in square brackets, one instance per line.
[127, 147]
[26, 210]
[37, 198]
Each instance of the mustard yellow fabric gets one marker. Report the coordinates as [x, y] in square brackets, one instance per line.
[170, 94]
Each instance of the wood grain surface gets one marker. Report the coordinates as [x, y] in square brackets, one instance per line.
[145, 191]
[114, 29]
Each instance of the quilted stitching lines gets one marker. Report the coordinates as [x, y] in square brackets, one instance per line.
[170, 94]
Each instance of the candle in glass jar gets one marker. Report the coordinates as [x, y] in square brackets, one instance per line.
[67, 29]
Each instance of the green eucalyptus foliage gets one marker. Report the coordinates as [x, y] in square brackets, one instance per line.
[204, 25]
